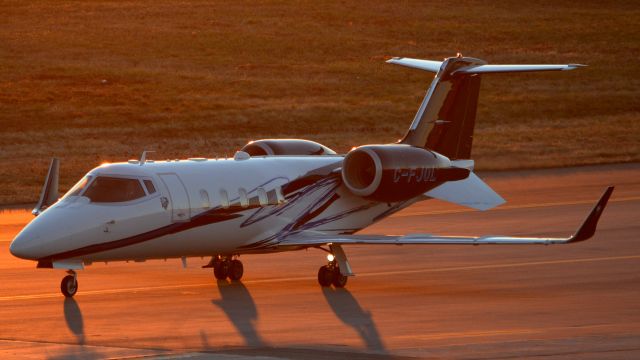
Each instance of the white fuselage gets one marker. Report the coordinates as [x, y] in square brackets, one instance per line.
[201, 207]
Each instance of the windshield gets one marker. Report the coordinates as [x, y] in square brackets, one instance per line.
[78, 187]
[105, 189]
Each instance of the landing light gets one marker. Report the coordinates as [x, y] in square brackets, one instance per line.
[330, 257]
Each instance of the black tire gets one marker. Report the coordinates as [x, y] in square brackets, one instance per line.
[236, 270]
[325, 276]
[221, 271]
[339, 280]
[69, 286]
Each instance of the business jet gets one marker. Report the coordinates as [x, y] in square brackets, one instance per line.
[278, 194]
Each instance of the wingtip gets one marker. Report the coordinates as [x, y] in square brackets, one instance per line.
[575, 66]
[588, 228]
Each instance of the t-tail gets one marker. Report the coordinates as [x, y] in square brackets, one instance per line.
[446, 119]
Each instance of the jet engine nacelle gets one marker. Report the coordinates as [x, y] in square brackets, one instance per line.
[396, 172]
[286, 147]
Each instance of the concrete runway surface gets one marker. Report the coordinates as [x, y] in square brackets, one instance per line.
[485, 302]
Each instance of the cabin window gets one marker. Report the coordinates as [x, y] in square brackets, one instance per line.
[244, 200]
[272, 197]
[262, 197]
[224, 199]
[204, 197]
[106, 189]
[254, 201]
[78, 187]
[149, 185]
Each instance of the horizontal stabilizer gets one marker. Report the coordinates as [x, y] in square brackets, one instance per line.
[479, 67]
[471, 192]
[486, 69]
[427, 65]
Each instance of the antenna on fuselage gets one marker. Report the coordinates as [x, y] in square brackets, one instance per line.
[143, 157]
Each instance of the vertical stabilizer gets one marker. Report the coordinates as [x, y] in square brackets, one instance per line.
[446, 118]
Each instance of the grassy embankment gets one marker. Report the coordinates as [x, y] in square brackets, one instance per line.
[102, 81]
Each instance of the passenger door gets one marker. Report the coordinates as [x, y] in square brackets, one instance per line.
[179, 198]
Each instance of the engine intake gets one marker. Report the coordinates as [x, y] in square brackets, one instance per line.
[390, 173]
[286, 147]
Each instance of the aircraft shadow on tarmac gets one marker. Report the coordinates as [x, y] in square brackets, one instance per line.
[238, 305]
[349, 311]
[73, 317]
[75, 323]
[236, 302]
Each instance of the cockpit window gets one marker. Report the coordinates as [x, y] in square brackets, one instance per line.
[105, 189]
[150, 188]
[78, 187]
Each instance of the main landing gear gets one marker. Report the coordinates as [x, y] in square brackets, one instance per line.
[226, 267]
[330, 274]
[69, 284]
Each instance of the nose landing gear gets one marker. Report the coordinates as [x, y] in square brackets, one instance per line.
[226, 267]
[69, 284]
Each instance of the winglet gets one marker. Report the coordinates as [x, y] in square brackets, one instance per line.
[588, 227]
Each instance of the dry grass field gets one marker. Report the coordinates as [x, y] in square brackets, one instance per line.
[101, 81]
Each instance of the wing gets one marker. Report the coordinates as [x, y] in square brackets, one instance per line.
[584, 232]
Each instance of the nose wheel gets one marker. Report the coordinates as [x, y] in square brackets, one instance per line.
[330, 275]
[225, 267]
[69, 284]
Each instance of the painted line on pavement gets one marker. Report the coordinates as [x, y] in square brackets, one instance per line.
[627, 327]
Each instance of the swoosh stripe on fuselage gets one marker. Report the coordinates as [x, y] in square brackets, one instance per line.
[209, 217]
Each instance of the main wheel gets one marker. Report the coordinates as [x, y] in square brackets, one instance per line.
[221, 271]
[69, 286]
[339, 280]
[235, 270]
[325, 276]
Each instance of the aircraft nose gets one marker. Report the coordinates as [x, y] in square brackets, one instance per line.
[22, 245]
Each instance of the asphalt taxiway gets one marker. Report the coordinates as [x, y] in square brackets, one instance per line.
[482, 302]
